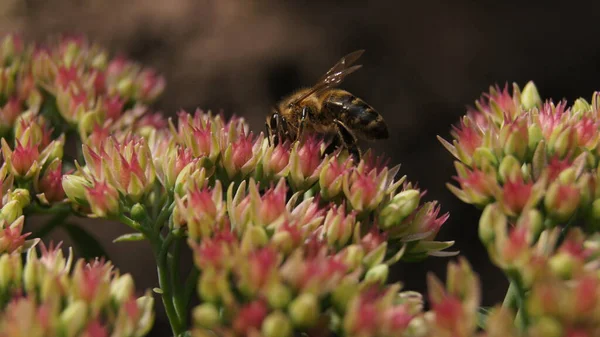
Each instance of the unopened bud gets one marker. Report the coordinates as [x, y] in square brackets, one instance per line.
[401, 206]
[304, 310]
[562, 265]
[122, 288]
[378, 274]
[277, 324]
[74, 317]
[11, 211]
[510, 169]
[279, 296]
[343, 293]
[21, 196]
[581, 105]
[75, 187]
[483, 157]
[206, 315]
[491, 218]
[530, 97]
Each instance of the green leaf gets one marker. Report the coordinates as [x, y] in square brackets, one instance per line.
[86, 244]
[130, 237]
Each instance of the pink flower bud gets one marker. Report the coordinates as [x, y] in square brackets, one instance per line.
[516, 194]
[113, 107]
[332, 175]
[339, 226]
[103, 199]
[250, 317]
[66, 76]
[9, 113]
[271, 205]
[151, 85]
[275, 161]
[51, 182]
[23, 159]
[562, 200]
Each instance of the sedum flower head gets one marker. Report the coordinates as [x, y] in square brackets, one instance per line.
[522, 153]
[45, 296]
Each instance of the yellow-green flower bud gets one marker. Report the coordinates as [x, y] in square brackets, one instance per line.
[491, 218]
[581, 105]
[510, 169]
[73, 318]
[547, 327]
[562, 265]
[278, 296]
[401, 206]
[344, 292]
[530, 96]
[22, 196]
[378, 274]
[304, 310]
[561, 200]
[121, 289]
[483, 157]
[75, 187]
[277, 324]
[11, 211]
[206, 315]
[353, 256]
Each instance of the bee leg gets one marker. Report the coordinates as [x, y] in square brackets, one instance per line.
[348, 139]
[272, 125]
[277, 129]
[302, 122]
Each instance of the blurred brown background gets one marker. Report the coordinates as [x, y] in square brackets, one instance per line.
[425, 61]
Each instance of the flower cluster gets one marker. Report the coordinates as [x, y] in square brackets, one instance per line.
[281, 233]
[264, 291]
[48, 296]
[12, 202]
[533, 168]
[522, 154]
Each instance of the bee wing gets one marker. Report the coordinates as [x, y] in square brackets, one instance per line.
[335, 75]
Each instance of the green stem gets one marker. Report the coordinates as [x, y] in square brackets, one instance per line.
[166, 286]
[510, 300]
[178, 299]
[164, 214]
[522, 314]
[190, 285]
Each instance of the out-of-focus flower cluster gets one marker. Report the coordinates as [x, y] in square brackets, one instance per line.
[48, 296]
[68, 87]
[562, 298]
[252, 287]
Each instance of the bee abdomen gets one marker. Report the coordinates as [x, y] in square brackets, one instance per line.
[359, 116]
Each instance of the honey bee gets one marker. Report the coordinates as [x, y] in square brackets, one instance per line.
[326, 110]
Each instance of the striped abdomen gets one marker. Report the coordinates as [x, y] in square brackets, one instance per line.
[356, 114]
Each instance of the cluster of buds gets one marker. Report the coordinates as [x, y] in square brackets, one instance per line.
[255, 289]
[12, 202]
[47, 296]
[523, 154]
[453, 307]
[33, 149]
[71, 81]
[288, 222]
[365, 202]
[116, 172]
